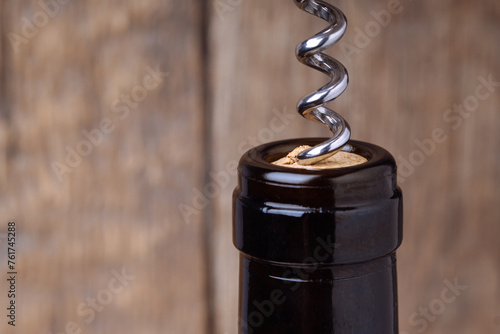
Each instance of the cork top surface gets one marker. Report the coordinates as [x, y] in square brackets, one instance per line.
[338, 160]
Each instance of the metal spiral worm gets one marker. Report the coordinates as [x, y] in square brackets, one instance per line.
[312, 107]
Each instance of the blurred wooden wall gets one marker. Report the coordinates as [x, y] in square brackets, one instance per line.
[144, 197]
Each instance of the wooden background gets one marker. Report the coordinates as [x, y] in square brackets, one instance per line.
[144, 199]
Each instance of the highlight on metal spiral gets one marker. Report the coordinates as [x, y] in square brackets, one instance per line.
[312, 106]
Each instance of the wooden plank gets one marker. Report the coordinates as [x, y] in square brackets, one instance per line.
[404, 77]
[115, 207]
[4, 110]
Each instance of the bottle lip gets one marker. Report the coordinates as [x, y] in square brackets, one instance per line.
[280, 212]
[256, 164]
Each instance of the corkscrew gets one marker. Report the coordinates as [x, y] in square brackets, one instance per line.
[312, 106]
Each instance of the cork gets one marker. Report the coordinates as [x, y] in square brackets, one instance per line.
[338, 160]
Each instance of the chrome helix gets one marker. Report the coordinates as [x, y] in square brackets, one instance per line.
[312, 106]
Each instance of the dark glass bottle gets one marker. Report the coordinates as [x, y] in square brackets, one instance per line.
[317, 247]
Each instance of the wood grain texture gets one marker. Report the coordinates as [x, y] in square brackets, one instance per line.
[405, 75]
[119, 206]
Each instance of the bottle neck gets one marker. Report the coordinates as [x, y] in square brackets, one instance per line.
[313, 298]
[317, 247]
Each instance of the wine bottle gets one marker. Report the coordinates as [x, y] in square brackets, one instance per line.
[317, 247]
